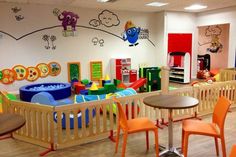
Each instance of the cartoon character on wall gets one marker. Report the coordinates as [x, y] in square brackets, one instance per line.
[69, 21]
[131, 33]
[214, 32]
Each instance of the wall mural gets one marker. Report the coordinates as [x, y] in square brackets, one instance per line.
[105, 18]
[15, 10]
[97, 41]
[213, 33]
[144, 34]
[131, 33]
[214, 40]
[47, 38]
[20, 72]
[69, 19]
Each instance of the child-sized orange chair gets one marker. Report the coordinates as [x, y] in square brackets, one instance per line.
[214, 129]
[233, 151]
[133, 126]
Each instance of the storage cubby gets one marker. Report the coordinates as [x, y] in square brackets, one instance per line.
[179, 63]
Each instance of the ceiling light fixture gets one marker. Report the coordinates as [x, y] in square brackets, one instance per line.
[156, 4]
[195, 7]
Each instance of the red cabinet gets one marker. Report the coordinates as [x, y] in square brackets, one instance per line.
[121, 70]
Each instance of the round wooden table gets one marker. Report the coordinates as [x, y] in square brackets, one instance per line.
[10, 123]
[170, 102]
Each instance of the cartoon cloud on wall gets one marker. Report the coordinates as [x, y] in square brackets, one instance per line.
[106, 18]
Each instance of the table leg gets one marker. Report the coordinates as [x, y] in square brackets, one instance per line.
[170, 129]
[171, 149]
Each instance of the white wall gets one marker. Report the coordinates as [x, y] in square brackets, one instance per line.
[222, 16]
[30, 50]
[160, 38]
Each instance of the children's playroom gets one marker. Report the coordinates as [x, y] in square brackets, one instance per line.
[117, 78]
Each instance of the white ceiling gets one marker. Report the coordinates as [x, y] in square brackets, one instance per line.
[134, 5]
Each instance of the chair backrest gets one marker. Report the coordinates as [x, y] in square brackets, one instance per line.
[233, 151]
[122, 117]
[220, 111]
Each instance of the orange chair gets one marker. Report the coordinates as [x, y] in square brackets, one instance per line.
[133, 126]
[233, 151]
[214, 129]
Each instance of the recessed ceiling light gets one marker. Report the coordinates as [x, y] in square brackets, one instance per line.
[195, 7]
[103, 1]
[156, 4]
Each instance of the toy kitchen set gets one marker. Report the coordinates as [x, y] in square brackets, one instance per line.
[121, 70]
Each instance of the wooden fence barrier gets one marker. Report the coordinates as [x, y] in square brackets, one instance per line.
[228, 74]
[44, 123]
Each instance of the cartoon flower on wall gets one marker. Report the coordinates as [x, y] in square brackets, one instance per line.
[53, 38]
[46, 39]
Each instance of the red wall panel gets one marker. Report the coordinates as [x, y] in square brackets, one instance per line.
[181, 42]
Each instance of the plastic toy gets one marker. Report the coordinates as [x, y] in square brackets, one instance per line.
[203, 74]
[79, 116]
[204, 62]
[78, 86]
[85, 82]
[121, 70]
[126, 92]
[121, 86]
[139, 83]
[47, 99]
[93, 87]
[1, 75]
[152, 74]
[57, 90]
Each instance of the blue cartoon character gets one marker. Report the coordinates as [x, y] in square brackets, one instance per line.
[131, 33]
[68, 19]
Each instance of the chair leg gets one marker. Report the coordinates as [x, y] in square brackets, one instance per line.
[125, 135]
[185, 144]
[156, 143]
[182, 142]
[223, 146]
[117, 139]
[216, 145]
[147, 140]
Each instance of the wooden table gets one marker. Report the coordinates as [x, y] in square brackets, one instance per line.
[170, 102]
[10, 123]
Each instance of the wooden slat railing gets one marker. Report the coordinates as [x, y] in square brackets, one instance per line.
[41, 127]
[227, 74]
